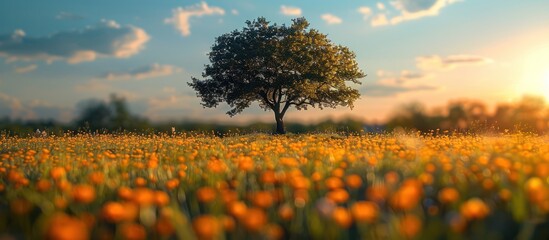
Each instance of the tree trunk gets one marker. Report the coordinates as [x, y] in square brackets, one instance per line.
[279, 125]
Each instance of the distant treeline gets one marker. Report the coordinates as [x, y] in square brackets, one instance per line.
[530, 114]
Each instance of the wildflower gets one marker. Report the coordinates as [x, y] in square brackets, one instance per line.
[474, 209]
[353, 181]
[20, 206]
[64, 227]
[113, 212]
[206, 194]
[286, 212]
[365, 211]
[237, 209]
[133, 231]
[342, 217]
[263, 199]
[338, 195]
[333, 183]
[57, 173]
[83, 193]
[448, 195]
[206, 227]
[254, 219]
[410, 226]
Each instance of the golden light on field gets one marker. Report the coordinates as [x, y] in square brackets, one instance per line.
[546, 82]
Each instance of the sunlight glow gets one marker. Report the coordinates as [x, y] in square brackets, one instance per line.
[535, 72]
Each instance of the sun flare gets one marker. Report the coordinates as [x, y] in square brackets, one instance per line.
[535, 77]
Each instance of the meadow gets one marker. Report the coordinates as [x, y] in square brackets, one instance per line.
[258, 186]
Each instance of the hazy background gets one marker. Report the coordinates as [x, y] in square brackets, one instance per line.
[57, 55]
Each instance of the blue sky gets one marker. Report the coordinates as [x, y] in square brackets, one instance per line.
[55, 54]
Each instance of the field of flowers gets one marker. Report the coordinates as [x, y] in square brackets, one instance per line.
[318, 186]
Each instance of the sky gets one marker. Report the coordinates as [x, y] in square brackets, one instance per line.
[55, 55]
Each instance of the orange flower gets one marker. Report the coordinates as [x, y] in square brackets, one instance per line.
[64, 227]
[83, 193]
[228, 223]
[206, 194]
[57, 173]
[97, 177]
[263, 199]
[342, 217]
[505, 194]
[161, 198]
[237, 209]
[60, 202]
[43, 185]
[228, 196]
[407, 196]
[338, 172]
[448, 195]
[353, 181]
[300, 182]
[533, 185]
[286, 212]
[172, 183]
[474, 209]
[140, 182]
[301, 196]
[392, 177]
[274, 231]
[63, 185]
[143, 196]
[216, 166]
[254, 219]
[365, 211]
[246, 164]
[410, 226]
[164, 227]
[125, 193]
[20, 206]
[206, 227]
[133, 231]
[268, 177]
[377, 193]
[338, 195]
[113, 212]
[333, 183]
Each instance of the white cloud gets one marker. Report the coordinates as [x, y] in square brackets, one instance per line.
[435, 62]
[379, 20]
[26, 69]
[386, 90]
[92, 85]
[107, 39]
[234, 12]
[391, 84]
[68, 16]
[414, 9]
[365, 11]
[380, 6]
[181, 16]
[169, 90]
[381, 73]
[14, 108]
[150, 71]
[331, 19]
[290, 11]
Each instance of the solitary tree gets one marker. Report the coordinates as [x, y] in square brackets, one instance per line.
[279, 67]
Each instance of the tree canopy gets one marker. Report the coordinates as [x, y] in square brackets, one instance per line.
[280, 67]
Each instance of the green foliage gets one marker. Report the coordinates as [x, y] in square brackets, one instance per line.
[114, 115]
[279, 67]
